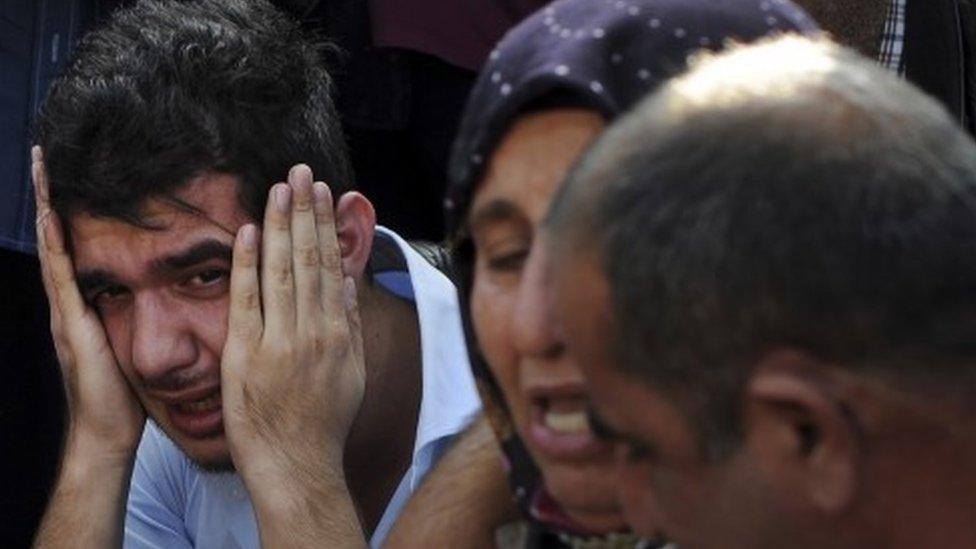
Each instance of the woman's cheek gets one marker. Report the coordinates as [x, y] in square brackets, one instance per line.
[491, 314]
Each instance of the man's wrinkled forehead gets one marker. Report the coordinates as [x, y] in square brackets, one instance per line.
[212, 195]
[197, 224]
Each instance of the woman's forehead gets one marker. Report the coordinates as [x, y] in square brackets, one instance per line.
[533, 158]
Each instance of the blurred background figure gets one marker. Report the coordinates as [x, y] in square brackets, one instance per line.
[767, 272]
[931, 42]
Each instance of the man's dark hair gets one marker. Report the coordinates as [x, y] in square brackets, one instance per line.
[787, 195]
[166, 91]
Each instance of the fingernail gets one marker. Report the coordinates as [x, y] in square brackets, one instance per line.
[300, 171]
[283, 198]
[35, 153]
[302, 186]
[249, 236]
[321, 191]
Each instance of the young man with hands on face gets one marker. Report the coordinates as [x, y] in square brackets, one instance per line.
[300, 375]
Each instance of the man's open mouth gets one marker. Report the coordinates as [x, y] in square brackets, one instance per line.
[203, 405]
[201, 418]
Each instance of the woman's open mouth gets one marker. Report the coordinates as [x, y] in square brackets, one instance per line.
[559, 428]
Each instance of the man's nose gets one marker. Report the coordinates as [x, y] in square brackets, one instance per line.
[536, 328]
[162, 339]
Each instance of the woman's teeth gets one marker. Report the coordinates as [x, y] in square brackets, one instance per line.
[206, 405]
[567, 422]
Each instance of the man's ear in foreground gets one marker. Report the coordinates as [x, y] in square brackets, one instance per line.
[355, 221]
[802, 432]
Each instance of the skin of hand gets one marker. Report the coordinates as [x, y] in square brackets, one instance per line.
[104, 413]
[292, 371]
[466, 497]
[105, 419]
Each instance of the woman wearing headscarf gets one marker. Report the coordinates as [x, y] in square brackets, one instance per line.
[549, 88]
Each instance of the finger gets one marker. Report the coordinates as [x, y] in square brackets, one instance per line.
[244, 324]
[351, 304]
[331, 256]
[39, 179]
[41, 203]
[57, 270]
[63, 288]
[51, 291]
[277, 281]
[305, 250]
[42, 207]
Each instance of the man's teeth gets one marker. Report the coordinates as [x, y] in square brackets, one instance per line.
[205, 405]
[567, 422]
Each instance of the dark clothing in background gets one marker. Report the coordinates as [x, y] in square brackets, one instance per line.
[461, 33]
[31, 400]
[940, 53]
[36, 37]
[403, 77]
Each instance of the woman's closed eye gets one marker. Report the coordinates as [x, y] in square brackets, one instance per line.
[508, 261]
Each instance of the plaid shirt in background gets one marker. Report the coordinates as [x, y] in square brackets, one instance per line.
[893, 38]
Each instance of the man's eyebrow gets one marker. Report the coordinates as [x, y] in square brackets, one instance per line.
[600, 427]
[200, 252]
[496, 210]
[89, 281]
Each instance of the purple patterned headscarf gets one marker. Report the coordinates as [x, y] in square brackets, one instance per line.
[599, 54]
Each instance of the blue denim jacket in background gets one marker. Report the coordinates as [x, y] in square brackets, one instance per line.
[36, 37]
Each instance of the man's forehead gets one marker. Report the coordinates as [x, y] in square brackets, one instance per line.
[203, 215]
[212, 196]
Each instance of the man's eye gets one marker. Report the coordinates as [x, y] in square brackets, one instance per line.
[210, 277]
[107, 297]
[209, 280]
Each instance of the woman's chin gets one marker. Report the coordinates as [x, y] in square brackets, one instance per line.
[613, 521]
[586, 496]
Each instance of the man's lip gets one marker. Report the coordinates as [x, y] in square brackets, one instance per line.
[187, 395]
[197, 424]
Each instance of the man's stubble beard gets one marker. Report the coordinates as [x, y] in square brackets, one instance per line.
[213, 467]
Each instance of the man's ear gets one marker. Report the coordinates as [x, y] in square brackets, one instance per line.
[355, 221]
[803, 435]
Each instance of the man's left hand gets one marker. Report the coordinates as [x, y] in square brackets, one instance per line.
[293, 373]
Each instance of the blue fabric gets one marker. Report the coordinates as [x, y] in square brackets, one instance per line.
[36, 38]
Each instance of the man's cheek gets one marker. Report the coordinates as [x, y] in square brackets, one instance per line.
[634, 495]
[119, 336]
[210, 324]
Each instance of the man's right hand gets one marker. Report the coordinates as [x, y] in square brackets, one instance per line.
[105, 418]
